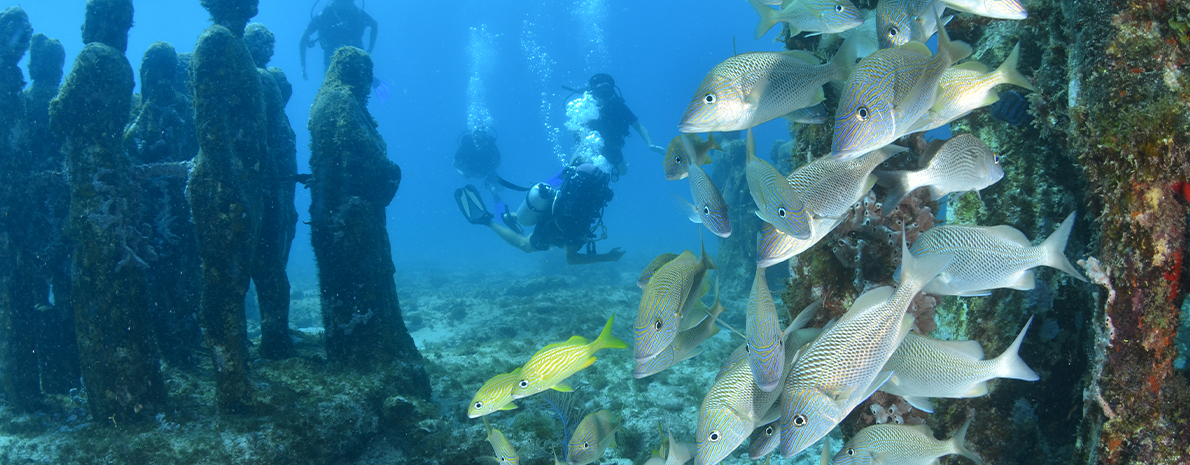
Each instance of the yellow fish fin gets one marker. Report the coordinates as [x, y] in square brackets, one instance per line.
[577, 340]
[979, 390]
[917, 47]
[971, 66]
[606, 340]
[508, 406]
[563, 387]
[803, 56]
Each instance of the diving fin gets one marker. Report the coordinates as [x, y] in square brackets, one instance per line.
[472, 205]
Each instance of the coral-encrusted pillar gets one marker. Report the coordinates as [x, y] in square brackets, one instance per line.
[119, 364]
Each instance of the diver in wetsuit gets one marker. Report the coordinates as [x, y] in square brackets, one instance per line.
[614, 120]
[565, 212]
[340, 24]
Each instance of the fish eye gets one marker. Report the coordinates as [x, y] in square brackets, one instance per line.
[839, 8]
[714, 437]
[892, 31]
[710, 98]
[678, 159]
[781, 212]
[768, 431]
[478, 405]
[996, 158]
[586, 445]
[659, 324]
[799, 420]
[706, 210]
[861, 113]
[524, 383]
[851, 452]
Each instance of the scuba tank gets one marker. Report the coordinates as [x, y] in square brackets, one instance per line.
[539, 200]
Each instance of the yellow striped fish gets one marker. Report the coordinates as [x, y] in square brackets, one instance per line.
[776, 201]
[766, 345]
[668, 297]
[677, 156]
[843, 366]
[969, 86]
[593, 435]
[733, 407]
[821, 16]
[795, 336]
[709, 207]
[505, 454]
[752, 88]
[902, 444]
[653, 266]
[685, 346]
[828, 188]
[888, 92]
[495, 394]
[764, 440]
[924, 367]
[550, 366]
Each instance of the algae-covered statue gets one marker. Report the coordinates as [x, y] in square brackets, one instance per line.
[118, 358]
[279, 217]
[353, 181]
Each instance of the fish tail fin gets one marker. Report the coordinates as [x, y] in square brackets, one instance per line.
[714, 145]
[1010, 365]
[1008, 72]
[768, 17]
[897, 183]
[1055, 249]
[959, 442]
[606, 340]
[844, 60]
[955, 50]
[917, 271]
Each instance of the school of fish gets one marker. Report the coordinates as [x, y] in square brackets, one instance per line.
[785, 388]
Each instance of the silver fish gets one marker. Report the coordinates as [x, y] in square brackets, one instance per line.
[593, 435]
[764, 440]
[900, 21]
[821, 16]
[776, 201]
[969, 86]
[999, 9]
[888, 92]
[810, 115]
[677, 154]
[843, 366]
[751, 88]
[685, 345]
[863, 36]
[668, 297]
[766, 345]
[709, 207]
[993, 257]
[828, 187]
[963, 163]
[795, 336]
[924, 367]
[902, 444]
[729, 412]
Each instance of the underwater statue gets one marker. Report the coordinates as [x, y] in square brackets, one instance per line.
[225, 191]
[353, 181]
[120, 368]
[279, 217]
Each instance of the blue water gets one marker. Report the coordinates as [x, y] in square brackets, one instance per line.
[657, 52]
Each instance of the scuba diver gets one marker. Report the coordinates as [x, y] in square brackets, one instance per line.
[566, 211]
[340, 24]
[613, 122]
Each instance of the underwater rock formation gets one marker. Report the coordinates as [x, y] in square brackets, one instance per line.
[162, 131]
[353, 181]
[18, 262]
[225, 200]
[279, 217]
[107, 22]
[118, 357]
[737, 253]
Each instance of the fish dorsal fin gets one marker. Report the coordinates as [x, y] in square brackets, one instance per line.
[577, 340]
[923, 429]
[803, 56]
[971, 66]
[655, 265]
[868, 300]
[917, 47]
[1008, 232]
[931, 150]
[803, 317]
[967, 349]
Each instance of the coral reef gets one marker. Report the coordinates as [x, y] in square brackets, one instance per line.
[119, 360]
[225, 199]
[353, 181]
[279, 217]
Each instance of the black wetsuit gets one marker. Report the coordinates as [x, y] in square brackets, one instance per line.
[612, 125]
[576, 209]
[340, 25]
